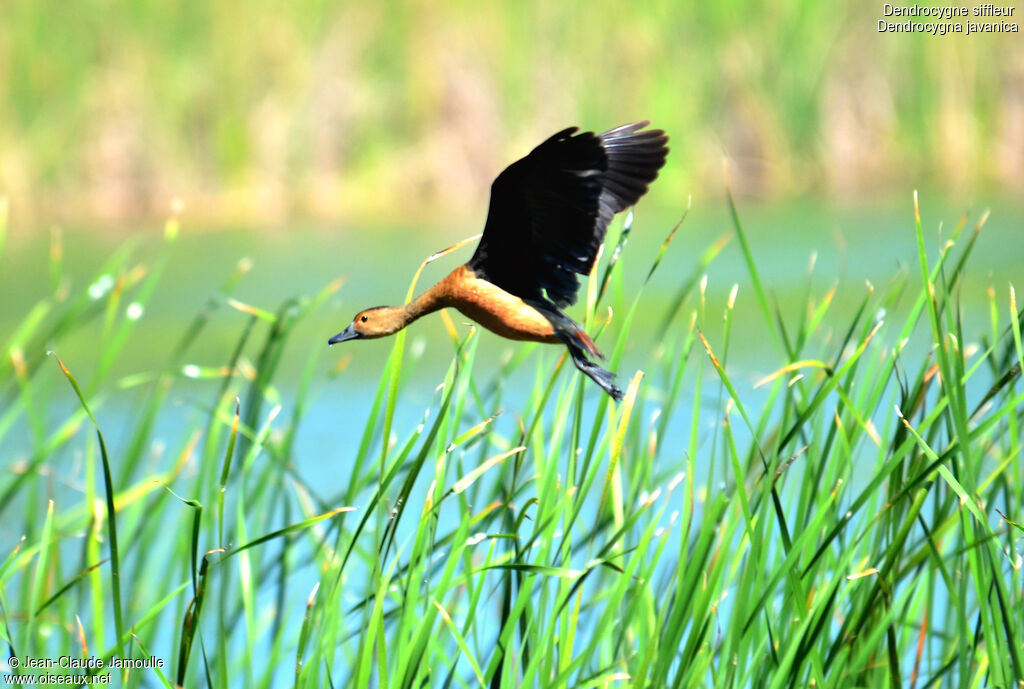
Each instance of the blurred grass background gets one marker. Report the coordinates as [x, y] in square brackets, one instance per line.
[263, 112]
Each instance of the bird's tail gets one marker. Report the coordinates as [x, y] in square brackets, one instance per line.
[567, 330]
[588, 343]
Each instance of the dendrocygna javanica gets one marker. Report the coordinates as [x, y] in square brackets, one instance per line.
[547, 219]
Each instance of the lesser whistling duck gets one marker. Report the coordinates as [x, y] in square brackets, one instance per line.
[546, 221]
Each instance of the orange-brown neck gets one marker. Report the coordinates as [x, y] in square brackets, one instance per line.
[434, 299]
[484, 302]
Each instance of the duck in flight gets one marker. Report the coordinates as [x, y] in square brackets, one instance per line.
[546, 221]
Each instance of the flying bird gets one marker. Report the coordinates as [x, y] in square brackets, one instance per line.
[547, 219]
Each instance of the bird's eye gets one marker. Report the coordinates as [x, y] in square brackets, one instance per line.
[362, 319]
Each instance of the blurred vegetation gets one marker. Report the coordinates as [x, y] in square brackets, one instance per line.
[261, 111]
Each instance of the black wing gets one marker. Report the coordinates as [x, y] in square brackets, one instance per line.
[549, 211]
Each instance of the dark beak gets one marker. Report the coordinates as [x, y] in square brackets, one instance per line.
[347, 334]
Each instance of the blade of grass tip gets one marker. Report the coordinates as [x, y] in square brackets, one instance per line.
[433, 257]
[447, 250]
[727, 382]
[460, 642]
[730, 308]
[466, 481]
[196, 522]
[108, 483]
[77, 389]
[284, 531]
[21, 334]
[262, 314]
[815, 317]
[304, 629]
[226, 471]
[10, 558]
[81, 637]
[665, 244]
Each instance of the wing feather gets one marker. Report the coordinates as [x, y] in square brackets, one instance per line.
[549, 211]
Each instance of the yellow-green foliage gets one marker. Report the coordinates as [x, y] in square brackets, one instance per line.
[851, 521]
[263, 109]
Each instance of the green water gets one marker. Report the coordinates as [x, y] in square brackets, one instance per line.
[852, 246]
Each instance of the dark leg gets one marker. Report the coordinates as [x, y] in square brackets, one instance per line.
[578, 343]
[604, 378]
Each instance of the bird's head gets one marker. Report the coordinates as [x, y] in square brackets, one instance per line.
[380, 321]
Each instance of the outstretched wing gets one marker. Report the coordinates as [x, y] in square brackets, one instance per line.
[549, 211]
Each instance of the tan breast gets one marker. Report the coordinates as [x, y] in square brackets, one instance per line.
[492, 307]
